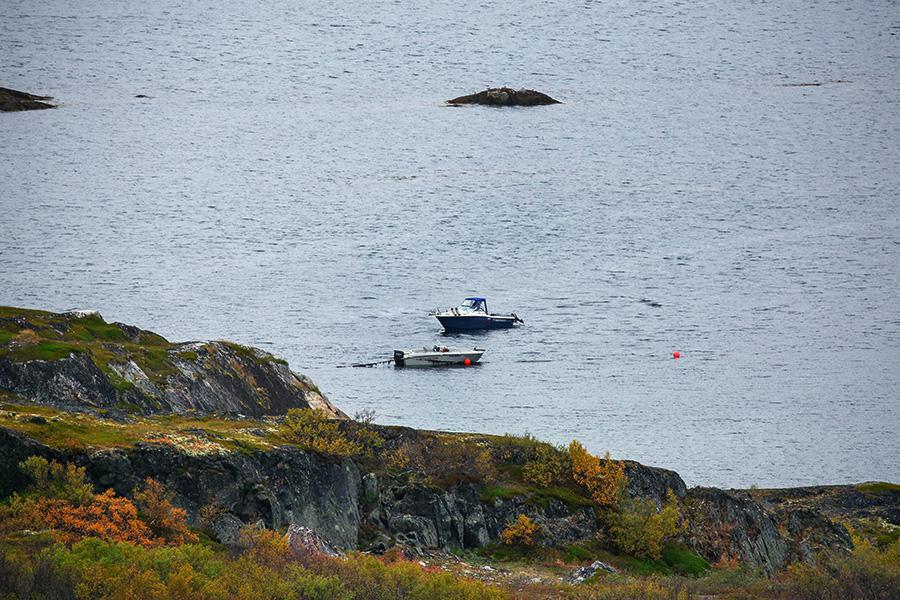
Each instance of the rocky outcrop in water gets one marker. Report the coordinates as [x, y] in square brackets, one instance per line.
[14, 100]
[77, 360]
[505, 96]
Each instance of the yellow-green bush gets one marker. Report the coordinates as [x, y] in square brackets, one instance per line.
[867, 573]
[313, 429]
[520, 532]
[639, 529]
[443, 461]
[550, 465]
[97, 570]
[54, 480]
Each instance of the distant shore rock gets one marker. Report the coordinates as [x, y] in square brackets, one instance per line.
[505, 96]
[13, 100]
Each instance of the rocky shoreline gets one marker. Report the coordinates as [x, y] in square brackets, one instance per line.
[109, 397]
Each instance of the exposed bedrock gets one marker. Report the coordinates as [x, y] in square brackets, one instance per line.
[78, 360]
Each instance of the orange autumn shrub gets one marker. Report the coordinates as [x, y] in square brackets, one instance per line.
[604, 480]
[107, 517]
[162, 517]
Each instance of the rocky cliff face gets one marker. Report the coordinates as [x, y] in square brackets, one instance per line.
[458, 518]
[285, 486]
[78, 360]
[222, 491]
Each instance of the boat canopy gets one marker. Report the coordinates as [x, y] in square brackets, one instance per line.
[475, 304]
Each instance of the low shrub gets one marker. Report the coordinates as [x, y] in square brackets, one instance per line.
[103, 570]
[521, 532]
[603, 480]
[550, 465]
[441, 462]
[313, 429]
[167, 522]
[61, 502]
[639, 529]
[107, 517]
[26, 337]
[57, 481]
[867, 573]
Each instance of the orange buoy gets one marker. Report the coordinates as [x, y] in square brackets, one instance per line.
[676, 354]
[467, 362]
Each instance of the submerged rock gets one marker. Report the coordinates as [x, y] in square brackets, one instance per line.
[506, 97]
[14, 100]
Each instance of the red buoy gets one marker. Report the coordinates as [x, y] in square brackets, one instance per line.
[676, 354]
[467, 362]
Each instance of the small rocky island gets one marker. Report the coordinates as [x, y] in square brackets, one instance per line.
[13, 101]
[505, 96]
[222, 440]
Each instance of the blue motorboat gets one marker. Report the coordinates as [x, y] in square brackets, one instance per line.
[473, 315]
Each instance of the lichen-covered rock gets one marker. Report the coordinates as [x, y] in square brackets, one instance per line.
[726, 525]
[652, 482]
[77, 360]
[419, 516]
[506, 97]
[868, 500]
[582, 574]
[306, 543]
[72, 380]
[225, 528]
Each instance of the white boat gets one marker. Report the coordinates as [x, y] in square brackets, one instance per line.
[437, 356]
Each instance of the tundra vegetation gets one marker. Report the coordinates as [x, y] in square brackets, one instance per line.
[62, 539]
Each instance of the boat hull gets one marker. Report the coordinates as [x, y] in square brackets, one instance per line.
[419, 358]
[475, 322]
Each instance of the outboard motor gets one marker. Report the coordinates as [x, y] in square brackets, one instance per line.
[398, 357]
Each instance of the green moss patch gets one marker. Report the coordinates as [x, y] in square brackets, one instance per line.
[491, 493]
[64, 430]
[44, 350]
[90, 329]
[879, 487]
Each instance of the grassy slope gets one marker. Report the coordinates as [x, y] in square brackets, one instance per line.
[56, 336]
[71, 430]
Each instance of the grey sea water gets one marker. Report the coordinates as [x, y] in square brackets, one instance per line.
[295, 182]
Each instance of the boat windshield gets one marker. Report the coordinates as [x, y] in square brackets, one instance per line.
[471, 305]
